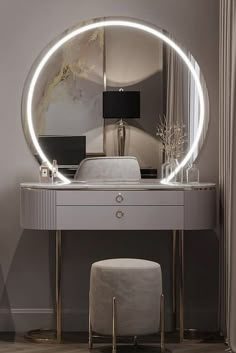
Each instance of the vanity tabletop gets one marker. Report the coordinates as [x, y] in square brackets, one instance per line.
[144, 184]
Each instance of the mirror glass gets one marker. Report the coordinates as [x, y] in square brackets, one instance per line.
[67, 104]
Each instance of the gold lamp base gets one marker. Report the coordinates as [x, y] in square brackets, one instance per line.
[121, 134]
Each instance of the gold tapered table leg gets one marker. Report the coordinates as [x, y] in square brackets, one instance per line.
[178, 280]
[174, 279]
[181, 285]
[58, 285]
[45, 335]
[178, 290]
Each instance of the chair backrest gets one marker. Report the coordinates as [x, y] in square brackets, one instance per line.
[111, 169]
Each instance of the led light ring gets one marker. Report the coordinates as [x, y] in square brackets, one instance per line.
[108, 23]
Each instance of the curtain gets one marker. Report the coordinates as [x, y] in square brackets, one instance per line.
[182, 100]
[227, 170]
[176, 104]
[175, 88]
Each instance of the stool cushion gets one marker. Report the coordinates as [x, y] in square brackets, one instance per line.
[137, 286]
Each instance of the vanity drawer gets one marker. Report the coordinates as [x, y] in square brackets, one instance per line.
[123, 217]
[122, 197]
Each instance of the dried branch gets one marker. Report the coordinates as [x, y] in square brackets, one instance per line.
[172, 137]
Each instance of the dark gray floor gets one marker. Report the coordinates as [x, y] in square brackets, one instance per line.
[77, 342]
[27, 347]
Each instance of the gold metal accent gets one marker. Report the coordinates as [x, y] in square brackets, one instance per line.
[58, 284]
[119, 214]
[178, 280]
[181, 285]
[114, 325]
[119, 198]
[41, 336]
[162, 322]
[174, 276]
[121, 133]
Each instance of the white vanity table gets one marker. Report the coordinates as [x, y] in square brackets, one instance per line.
[145, 205]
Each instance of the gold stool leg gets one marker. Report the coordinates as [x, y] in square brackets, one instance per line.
[114, 325]
[90, 331]
[162, 322]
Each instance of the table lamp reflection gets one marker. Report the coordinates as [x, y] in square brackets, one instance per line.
[122, 105]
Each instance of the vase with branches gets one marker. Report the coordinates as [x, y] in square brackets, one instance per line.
[173, 139]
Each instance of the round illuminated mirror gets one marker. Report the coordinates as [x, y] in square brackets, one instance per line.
[151, 83]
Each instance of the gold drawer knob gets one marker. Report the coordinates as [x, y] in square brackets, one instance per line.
[119, 198]
[119, 214]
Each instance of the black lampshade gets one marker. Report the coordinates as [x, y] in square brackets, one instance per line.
[121, 104]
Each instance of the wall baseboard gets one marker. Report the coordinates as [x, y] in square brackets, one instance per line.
[25, 319]
[15, 311]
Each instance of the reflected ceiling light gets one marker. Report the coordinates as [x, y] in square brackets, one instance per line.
[107, 23]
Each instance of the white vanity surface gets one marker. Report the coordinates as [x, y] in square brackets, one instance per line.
[145, 184]
[118, 205]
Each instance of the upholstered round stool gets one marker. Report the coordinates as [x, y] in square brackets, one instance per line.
[126, 299]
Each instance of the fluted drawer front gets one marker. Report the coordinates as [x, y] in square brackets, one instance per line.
[123, 217]
[124, 197]
[38, 209]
